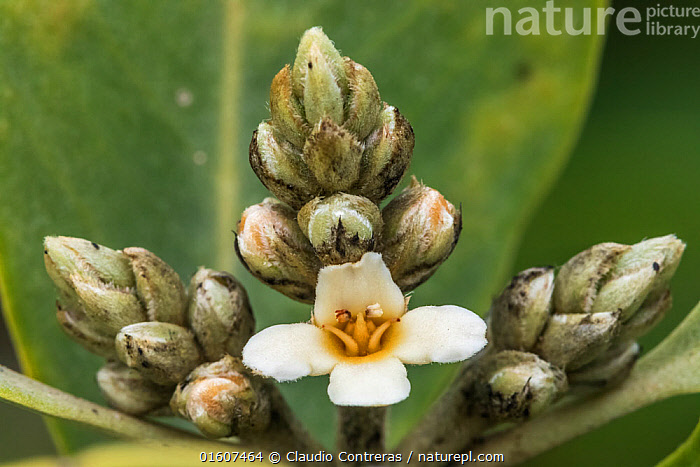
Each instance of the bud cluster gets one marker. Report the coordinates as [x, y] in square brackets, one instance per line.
[131, 308]
[577, 328]
[330, 153]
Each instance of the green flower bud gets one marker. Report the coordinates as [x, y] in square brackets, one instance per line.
[387, 155]
[219, 314]
[222, 399]
[580, 278]
[163, 352]
[519, 314]
[129, 391]
[280, 167]
[273, 248]
[421, 229]
[315, 43]
[364, 107]
[612, 277]
[571, 340]
[647, 316]
[79, 328]
[323, 98]
[158, 286]
[329, 131]
[514, 384]
[645, 267]
[107, 307]
[333, 155]
[67, 256]
[341, 227]
[610, 369]
[286, 111]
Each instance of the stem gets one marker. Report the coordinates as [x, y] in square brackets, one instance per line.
[361, 429]
[285, 433]
[453, 421]
[39, 397]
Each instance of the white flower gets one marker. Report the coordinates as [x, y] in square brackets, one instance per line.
[362, 335]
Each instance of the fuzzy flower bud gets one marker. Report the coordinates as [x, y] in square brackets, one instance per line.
[219, 313]
[163, 352]
[649, 315]
[572, 340]
[78, 327]
[611, 368]
[513, 384]
[274, 249]
[421, 229]
[341, 228]
[520, 313]
[129, 391]
[158, 286]
[329, 130]
[222, 400]
[612, 277]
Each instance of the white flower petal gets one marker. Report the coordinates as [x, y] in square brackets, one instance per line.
[369, 383]
[355, 286]
[289, 351]
[442, 334]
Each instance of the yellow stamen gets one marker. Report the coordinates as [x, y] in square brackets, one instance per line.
[351, 347]
[371, 326]
[376, 339]
[361, 333]
[350, 327]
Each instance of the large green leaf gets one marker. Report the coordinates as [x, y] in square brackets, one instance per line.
[128, 123]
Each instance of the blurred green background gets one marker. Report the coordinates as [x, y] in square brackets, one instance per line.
[632, 174]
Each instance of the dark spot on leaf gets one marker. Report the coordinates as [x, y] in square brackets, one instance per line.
[145, 364]
[46, 252]
[140, 350]
[94, 411]
[311, 65]
[523, 71]
[656, 266]
[95, 246]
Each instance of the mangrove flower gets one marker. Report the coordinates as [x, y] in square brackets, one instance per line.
[361, 334]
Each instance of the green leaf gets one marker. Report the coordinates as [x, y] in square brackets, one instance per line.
[687, 454]
[119, 455]
[128, 123]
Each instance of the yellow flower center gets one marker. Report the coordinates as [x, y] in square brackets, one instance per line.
[360, 334]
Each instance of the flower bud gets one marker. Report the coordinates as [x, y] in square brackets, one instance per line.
[333, 155]
[514, 384]
[323, 98]
[79, 328]
[646, 266]
[314, 44]
[421, 229]
[222, 400]
[387, 154]
[612, 277]
[571, 340]
[580, 278]
[649, 314]
[273, 248]
[341, 227]
[219, 314]
[280, 167]
[610, 369]
[163, 352]
[286, 111]
[158, 286]
[68, 256]
[364, 107]
[520, 313]
[129, 391]
[107, 307]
